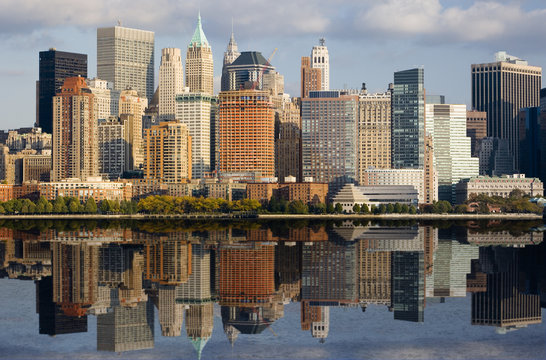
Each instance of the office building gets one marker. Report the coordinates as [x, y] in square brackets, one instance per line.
[198, 112]
[329, 121]
[75, 143]
[414, 177]
[199, 64]
[495, 157]
[501, 89]
[171, 82]
[55, 67]
[532, 157]
[408, 119]
[476, 128]
[24, 165]
[374, 132]
[321, 60]
[231, 53]
[248, 68]
[131, 110]
[125, 57]
[408, 285]
[287, 138]
[112, 146]
[310, 77]
[246, 133]
[167, 152]
[446, 124]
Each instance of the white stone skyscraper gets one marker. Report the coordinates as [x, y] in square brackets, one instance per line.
[125, 57]
[446, 123]
[321, 60]
[171, 82]
[199, 63]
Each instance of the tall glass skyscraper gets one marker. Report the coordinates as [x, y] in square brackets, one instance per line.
[408, 119]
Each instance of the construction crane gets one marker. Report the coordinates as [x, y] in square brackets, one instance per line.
[256, 83]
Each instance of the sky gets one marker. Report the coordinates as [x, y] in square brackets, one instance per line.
[367, 40]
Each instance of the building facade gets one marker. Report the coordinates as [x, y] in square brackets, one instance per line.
[320, 59]
[476, 128]
[75, 143]
[231, 53]
[408, 119]
[374, 133]
[248, 68]
[55, 67]
[328, 137]
[501, 89]
[287, 138]
[171, 82]
[199, 63]
[246, 131]
[131, 110]
[310, 77]
[112, 146]
[167, 152]
[446, 123]
[198, 112]
[106, 98]
[498, 186]
[125, 57]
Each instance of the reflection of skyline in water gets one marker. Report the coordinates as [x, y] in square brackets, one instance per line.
[121, 275]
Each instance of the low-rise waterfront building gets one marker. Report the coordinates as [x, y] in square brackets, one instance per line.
[498, 186]
[82, 190]
[350, 195]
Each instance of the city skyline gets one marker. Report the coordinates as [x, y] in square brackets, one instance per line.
[446, 37]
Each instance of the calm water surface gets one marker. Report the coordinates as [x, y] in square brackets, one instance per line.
[272, 290]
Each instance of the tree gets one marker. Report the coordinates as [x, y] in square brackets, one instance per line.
[364, 209]
[374, 209]
[382, 208]
[73, 206]
[319, 208]
[41, 205]
[390, 208]
[460, 209]
[105, 206]
[90, 206]
[298, 207]
[412, 210]
[59, 206]
[404, 209]
[356, 208]
[397, 208]
[338, 209]
[330, 208]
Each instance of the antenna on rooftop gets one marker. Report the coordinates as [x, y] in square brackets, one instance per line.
[322, 41]
[119, 22]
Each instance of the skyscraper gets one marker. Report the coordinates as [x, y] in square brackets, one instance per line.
[55, 67]
[476, 128]
[125, 57]
[198, 112]
[328, 123]
[230, 55]
[452, 150]
[408, 119]
[501, 89]
[171, 82]
[321, 60]
[199, 64]
[111, 139]
[131, 110]
[287, 139]
[75, 143]
[374, 132]
[246, 131]
[408, 285]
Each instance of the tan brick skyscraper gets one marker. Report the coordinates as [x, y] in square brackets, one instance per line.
[75, 143]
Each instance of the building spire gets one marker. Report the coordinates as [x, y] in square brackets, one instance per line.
[199, 39]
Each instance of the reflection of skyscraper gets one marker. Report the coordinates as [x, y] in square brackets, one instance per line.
[170, 312]
[408, 287]
[126, 328]
[504, 304]
[199, 323]
[329, 273]
[52, 320]
[166, 260]
[287, 270]
[247, 274]
[198, 287]
[320, 329]
[374, 274]
[75, 282]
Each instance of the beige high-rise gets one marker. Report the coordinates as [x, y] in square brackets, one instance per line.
[199, 63]
[167, 152]
[75, 143]
[131, 110]
[171, 82]
[373, 133]
[288, 139]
